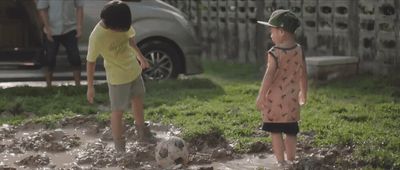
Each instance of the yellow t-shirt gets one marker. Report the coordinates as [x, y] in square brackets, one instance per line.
[119, 57]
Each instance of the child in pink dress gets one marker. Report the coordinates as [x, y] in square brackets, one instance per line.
[284, 86]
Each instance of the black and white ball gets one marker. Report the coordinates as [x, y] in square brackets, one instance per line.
[172, 151]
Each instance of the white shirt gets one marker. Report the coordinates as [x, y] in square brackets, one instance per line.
[62, 14]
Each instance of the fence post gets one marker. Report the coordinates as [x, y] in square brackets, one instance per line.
[397, 33]
[354, 28]
[260, 32]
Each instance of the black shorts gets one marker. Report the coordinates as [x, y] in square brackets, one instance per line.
[287, 128]
[70, 42]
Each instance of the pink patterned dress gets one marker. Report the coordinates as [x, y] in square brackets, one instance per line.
[283, 95]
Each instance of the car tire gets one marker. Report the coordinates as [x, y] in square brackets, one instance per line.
[163, 59]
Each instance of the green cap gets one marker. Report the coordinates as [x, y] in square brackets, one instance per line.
[282, 19]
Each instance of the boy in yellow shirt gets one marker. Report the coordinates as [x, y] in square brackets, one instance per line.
[113, 39]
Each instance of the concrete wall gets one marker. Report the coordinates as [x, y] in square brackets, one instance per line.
[368, 29]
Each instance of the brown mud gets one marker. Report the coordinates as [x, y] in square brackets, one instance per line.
[81, 142]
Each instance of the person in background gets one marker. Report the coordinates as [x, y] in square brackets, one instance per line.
[62, 24]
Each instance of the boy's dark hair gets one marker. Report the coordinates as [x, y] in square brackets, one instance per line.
[116, 15]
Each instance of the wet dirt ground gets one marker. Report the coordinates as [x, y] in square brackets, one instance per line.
[82, 143]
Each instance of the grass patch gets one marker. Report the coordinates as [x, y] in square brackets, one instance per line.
[362, 112]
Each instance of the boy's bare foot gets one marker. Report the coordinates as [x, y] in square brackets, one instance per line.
[120, 146]
[145, 135]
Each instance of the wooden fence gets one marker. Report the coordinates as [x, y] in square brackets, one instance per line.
[368, 29]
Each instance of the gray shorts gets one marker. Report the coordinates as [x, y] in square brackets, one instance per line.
[122, 94]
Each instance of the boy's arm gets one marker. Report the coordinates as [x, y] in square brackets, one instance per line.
[90, 68]
[92, 54]
[303, 83]
[267, 80]
[143, 62]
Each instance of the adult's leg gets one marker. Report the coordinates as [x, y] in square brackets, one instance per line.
[278, 146]
[70, 43]
[51, 50]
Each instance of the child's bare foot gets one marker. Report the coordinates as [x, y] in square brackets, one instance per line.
[120, 145]
[284, 164]
[145, 135]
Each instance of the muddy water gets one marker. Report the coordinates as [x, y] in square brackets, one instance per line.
[66, 159]
[87, 145]
[247, 162]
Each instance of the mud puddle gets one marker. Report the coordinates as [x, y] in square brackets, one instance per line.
[82, 143]
[245, 162]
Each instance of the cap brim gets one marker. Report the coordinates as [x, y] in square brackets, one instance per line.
[265, 23]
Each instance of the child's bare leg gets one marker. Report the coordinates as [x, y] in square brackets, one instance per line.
[278, 146]
[290, 146]
[117, 129]
[137, 109]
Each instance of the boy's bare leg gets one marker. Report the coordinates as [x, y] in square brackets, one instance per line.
[77, 77]
[290, 145]
[117, 129]
[137, 111]
[278, 146]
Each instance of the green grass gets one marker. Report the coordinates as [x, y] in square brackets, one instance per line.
[362, 112]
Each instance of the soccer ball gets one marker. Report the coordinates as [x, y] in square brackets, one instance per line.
[172, 151]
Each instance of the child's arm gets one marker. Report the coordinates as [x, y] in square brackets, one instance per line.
[143, 62]
[90, 68]
[303, 83]
[267, 81]
[92, 54]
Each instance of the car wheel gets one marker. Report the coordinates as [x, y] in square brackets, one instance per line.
[163, 60]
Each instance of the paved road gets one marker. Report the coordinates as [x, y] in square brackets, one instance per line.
[8, 75]
[11, 76]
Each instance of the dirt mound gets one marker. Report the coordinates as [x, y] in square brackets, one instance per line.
[34, 161]
[333, 157]
[98, 154]
[52, 141]
[7, 131]
[213, 139]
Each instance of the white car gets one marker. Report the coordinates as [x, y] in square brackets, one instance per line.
[164, 35]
